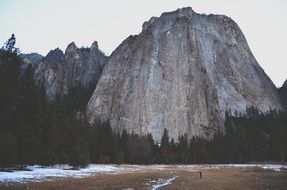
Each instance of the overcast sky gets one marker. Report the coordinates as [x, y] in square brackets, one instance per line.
[41, 25]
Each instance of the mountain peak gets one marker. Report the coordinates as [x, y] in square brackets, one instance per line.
[95, 45]
[186, 11]
[71, 47]
[55, 53]
[179, 13]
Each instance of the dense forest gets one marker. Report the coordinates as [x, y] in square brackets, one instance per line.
[34, 130]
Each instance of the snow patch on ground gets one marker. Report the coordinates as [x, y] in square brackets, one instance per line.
[39, 173]
[162, 182]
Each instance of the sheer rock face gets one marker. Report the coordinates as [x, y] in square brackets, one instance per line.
[182, 73]
[77, 66]
[283, 94]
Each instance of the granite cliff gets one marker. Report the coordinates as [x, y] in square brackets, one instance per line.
[60, 71]
[182, 73]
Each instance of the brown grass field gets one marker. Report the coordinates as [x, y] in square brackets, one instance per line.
[214, 179]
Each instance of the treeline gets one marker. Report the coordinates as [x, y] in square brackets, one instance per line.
[253, 137]
[36, 131]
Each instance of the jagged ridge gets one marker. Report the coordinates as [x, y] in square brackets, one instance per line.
[60, 71]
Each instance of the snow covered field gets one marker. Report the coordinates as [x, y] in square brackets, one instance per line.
[38, 174]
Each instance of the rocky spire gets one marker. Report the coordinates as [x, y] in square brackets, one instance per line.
[71, 48]
[55, 55]
[95, 45]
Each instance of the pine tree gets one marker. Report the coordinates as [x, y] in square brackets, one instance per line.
[9, 45]
[124, 144]
[164, 147]
[183, 149]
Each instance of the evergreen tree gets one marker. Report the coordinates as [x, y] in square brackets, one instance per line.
[183, 149]
[164, 147]
[9, 45]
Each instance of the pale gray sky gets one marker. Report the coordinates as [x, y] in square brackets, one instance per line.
[41, 25]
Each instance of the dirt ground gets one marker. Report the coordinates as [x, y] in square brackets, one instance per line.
[221, 179]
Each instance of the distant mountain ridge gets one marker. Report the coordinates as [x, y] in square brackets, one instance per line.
[60, 71]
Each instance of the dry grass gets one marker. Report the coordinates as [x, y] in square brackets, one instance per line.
[235, 178]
